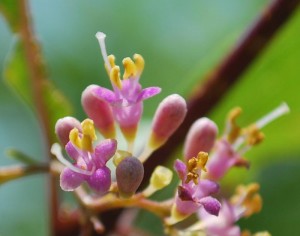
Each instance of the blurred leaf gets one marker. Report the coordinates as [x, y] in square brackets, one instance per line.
[11, 11]
[279, 189]
[57, 104]
[16, 73]
[20, 156]
[17, 76]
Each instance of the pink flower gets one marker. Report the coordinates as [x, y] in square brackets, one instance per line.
[126, 98]
[236, 141]
[244, 203]
[194, 193]
[89, 162]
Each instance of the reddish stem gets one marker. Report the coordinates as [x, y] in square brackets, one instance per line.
[38, 78]
[227, 73]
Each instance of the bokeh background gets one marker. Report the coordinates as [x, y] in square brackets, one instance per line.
[181, 42]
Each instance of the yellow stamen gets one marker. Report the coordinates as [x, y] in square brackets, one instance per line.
[139, 63]
[74, 137]
[234, 131]
[202, 157]
[115, 77]
[194, 164]
[248, 197]
[129, 67]
[88, 136]
[254, 135]
[111, 58]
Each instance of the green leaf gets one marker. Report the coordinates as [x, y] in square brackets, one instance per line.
[56, 103]
[17, 76]
[16, 73]
[11, 11]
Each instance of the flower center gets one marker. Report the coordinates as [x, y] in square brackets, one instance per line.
[85, 140]
[194, 165]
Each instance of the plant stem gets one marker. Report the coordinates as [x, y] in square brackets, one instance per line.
[218, 82]
[111, 201]
[38, 78]
[9, 173]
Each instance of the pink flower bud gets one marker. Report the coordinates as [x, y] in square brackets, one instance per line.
[63, 127]
[168, 116]
[99, 111]
[129, 173]
[200, 138]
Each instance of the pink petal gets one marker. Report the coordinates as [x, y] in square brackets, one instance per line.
[103, 93]
[104, 151]
[72, 151]
[206, 187]
[70, 180]
[180, 168]
[148, 93]
[211, 205]
[100, 181]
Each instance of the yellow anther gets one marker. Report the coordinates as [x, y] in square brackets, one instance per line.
[234, 128]
[111, 60]
[192, 176]
[202, 157]
[129, 67]
[89, 134]
[248, 197]
[115, 77]
[139, 63]
[254, 135]
[194, 164]
[74, 137]
[85, 142]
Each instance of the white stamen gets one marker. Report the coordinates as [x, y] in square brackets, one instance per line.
[101, 39]
[56, 150]
[277, 112]
[238, 142]
[273, 115]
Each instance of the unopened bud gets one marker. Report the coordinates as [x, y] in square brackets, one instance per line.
[169, 115]
[63, 127]
[200, 138]
[129, 173]
[160, 178]
[98, 110]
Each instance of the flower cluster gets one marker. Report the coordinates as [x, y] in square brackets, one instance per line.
[206, 158]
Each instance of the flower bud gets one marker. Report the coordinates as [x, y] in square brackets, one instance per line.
[98, 110]
[129, 173]
[200, 138]
[160, 178]
[63, 127]
[169, 115]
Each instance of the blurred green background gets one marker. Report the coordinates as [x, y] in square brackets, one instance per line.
[181, 42]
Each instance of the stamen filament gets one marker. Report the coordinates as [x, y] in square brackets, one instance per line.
[273, 115]
[56, 150]
[277, 112]
[101, 39]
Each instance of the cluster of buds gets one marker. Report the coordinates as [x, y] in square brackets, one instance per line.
[206, 158]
